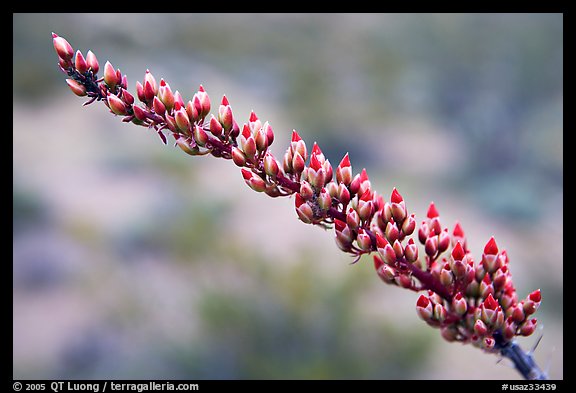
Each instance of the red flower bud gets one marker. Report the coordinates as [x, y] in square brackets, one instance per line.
[423, 232]
[332, 189]
[535, 296]
[116, 105]
[528, 327]
[443, 240]
[306, 191]
[215, 127]
[305, 212]
[381, 242]
[385, 272]
[127, 97]
[431, 246]
[365, 182]
[139, 113]
[516, 313]
[353, 219]
[446, 277]
[363, 240]
[204, 101]
[490, 262]
[364, 175]
[261, 140]
[490, 303]
[271, 165]
[480, 272]
[396, 197]
[499, 279]
[439, 312]
[171, 123]
[254, 123]
[287, 161]
[298, 163]
[409, 225]
[366, 196]
[148, 91]
[491, 248]
[486, 287]
[158, 106]
[269, 133]
[366, 211]
[148, 77]
[92, 62]
[344, 171]
[140, 92]
[76, 87]
[458, 231]
[199, 134]
[488, 344]
[343, 194]
[316, 150]
[62, 47]
[458, 235]
[178, 100]
[80, 63]
[424, 308]
[490, 310]
[411, 251]
[248, 143]
[354, 186]
[459, 304]
[295, 136]
[458, 252]
[123, 80]
[509, 329]
[191, 110]
[254, 181]
[459, 269]
[435, 226]
[507, 300]
[432, 212]
[196, 106]
[165, 95]
[398, 211]
[529, 306]
[328, 170]
[344, 235]
[238, 157]
[398, 249]
[183, 122]
[298, 145]
[324, 200]
[317, 178]
[385, 250]
[314, 161]
[392, 233]
[110, 75]
[378, 262]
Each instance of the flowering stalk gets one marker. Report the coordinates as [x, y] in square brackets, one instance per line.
[469, 301]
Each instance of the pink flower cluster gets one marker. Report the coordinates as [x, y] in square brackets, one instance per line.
[469, 301]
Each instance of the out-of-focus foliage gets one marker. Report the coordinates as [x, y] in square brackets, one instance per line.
[133, 260]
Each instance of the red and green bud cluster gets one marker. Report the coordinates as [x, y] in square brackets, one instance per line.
[469, 301]
[480, 300]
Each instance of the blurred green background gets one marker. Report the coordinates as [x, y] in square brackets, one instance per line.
[134, 260]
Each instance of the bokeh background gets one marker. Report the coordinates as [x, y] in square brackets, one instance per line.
[133, 260]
